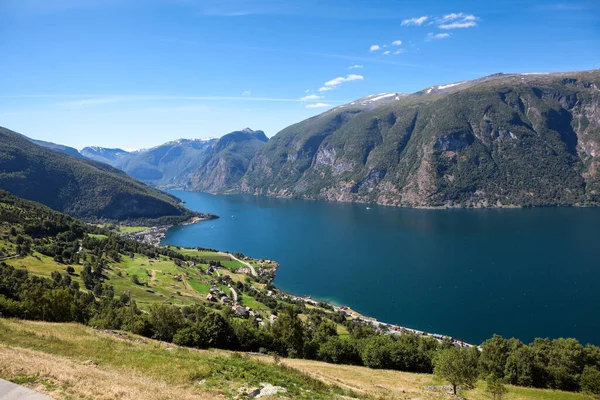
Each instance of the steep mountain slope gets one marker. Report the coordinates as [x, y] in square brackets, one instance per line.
[79, 187]
[506, 139]
[57, 147]
[167, 165]
[227, 161]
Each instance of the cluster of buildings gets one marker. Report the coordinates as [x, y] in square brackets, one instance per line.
[151, 236]
[217, 295]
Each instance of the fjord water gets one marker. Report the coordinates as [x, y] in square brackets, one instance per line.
[466, 273]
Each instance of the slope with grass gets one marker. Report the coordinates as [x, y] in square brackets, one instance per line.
[78, 187]
[73, 361]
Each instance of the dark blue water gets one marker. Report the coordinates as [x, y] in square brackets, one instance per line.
[465, 273]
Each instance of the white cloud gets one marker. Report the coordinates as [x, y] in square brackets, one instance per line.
[457, 20]
[246, 93]
[324, 89]
[340, 79]
[374, 47]
[414, 21]
[387, 52]
[430, 36]
[399, 51]
[355, 66]
[311, 97]
[397, 42]
[307, 90]
[318, 105]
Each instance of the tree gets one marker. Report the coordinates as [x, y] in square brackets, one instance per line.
[70, 270]
[165, 320]
[339, 351]
[124, 298]
[457, 366]
[495, 388]
[98, 289]
[135, 280]
[590, 380]
[494, 354]
[289, 331]
[521, 368]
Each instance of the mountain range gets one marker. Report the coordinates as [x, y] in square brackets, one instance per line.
[195, 164]
[501, 140]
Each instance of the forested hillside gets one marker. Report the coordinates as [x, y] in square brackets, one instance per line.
[502, 140]
[78, 187]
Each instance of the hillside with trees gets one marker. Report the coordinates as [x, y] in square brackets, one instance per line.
[82, 188]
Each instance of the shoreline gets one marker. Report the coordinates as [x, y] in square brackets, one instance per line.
[156, 234]
[406, 206]
[385, 327]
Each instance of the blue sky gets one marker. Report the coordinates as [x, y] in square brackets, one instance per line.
[137, 73]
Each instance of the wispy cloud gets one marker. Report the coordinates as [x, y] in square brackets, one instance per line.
[318, 105]
[375, 47]
[355, 66]
[400, 51]
[397, 43]
[433, 36]
[385, 53]
[246, 93]
[311, 97]
[417, 21]
[341, 79]
[457, 21]
[324, 89]
[447, 21]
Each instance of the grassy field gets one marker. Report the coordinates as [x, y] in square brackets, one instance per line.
[71, 361]
[161, 280]
[132, 229]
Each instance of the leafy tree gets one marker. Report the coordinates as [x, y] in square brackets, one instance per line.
[70, 270]
[98, 289]
[289, 332]
[457, 366]
[495, 388]
[494, 354]
[590, 380]
[377, 352]
[124, 298]
[166, 321]
[339, 351]
[565, 363]
[135, 280]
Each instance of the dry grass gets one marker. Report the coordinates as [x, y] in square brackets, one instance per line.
[66, 379]
[369, 382]
[71, 361]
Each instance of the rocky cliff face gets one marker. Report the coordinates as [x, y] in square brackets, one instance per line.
[497, 141]
[227, 161]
